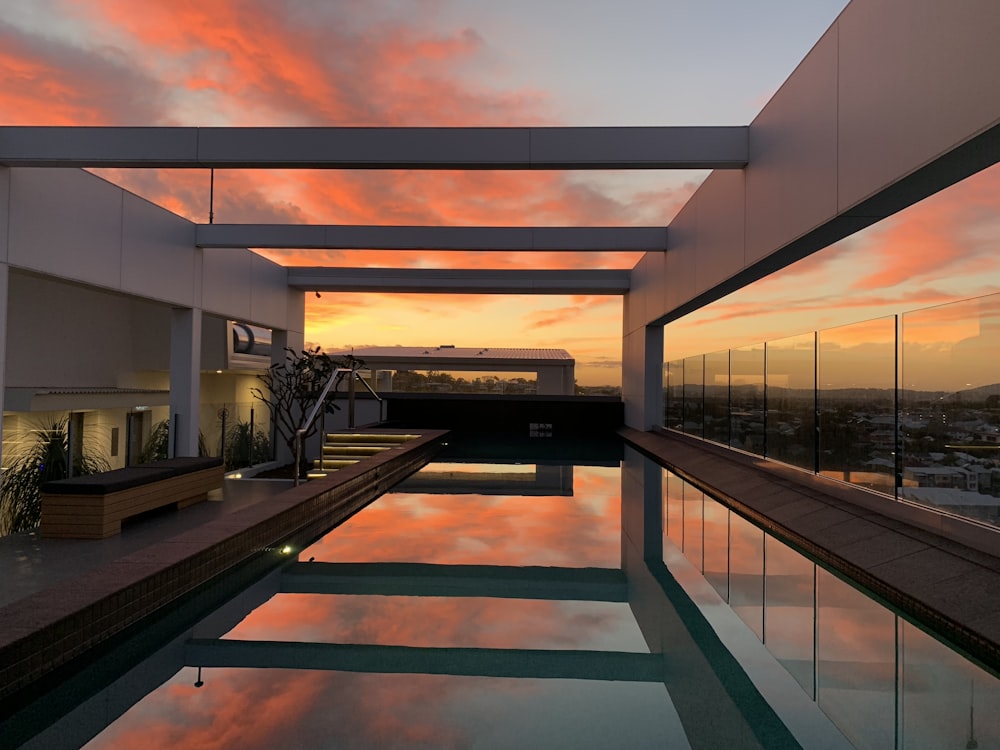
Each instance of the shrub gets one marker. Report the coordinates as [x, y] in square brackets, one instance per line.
[43, 460]
[245, 448]
[155, 446]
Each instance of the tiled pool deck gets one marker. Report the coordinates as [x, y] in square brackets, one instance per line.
[36, 563]
[63, 598]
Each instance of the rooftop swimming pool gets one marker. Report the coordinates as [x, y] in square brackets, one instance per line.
[539, 603]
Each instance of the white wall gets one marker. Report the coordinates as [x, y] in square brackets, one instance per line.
[158, 259]
[60, 334]
[70, 224]
[555, 380]
[872, 120]
[110, 339]
[4, 213]
[4, 273]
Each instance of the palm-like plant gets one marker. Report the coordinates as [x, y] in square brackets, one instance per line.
[245, 446]
[43, 460]
[155, 447]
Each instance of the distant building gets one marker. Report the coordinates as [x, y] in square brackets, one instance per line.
[954, 477]
[554, 369]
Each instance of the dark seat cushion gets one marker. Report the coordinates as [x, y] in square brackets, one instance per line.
[116, 480]
[107, 482]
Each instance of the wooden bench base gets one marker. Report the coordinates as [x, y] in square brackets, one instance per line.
[79, 516]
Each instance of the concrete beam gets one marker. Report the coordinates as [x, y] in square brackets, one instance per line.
[479, 662]
[681, 147]
[508, 239]
[459, 281]
[419, 579]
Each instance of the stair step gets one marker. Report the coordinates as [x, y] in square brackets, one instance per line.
[332, 463]
[354, 450]
[361, 438]
[342, 449]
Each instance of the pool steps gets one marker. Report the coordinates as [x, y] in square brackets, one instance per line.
[342, 449]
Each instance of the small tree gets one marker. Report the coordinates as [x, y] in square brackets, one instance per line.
[293, 387]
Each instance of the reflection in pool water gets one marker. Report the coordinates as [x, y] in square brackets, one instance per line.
[882, 680]
[605, 646]
[261, 708]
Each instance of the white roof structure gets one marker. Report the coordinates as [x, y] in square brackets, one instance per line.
[446, 354]
[554, 368]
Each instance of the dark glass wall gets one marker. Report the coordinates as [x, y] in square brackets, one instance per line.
[856, 400]
[790, 393]
[882, 680]
[694, 395]
[906, 406]
[747, 399]
[716, 414]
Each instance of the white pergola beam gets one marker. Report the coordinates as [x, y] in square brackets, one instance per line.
[510, 239]
[674, 147]
[459, 281]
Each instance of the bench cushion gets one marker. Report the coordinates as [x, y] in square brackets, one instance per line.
[107, 482]
[117, 480]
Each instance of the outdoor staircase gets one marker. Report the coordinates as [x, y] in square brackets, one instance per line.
[342, 449]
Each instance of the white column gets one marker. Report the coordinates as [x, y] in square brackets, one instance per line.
[548, 380]
[555, 380]
[185, 381]
[569, 380]
[3, 347]
[383, 381]
[653, 378]
[642, 377]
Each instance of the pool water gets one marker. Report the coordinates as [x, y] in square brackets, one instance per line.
[501, 605]
[249, 708]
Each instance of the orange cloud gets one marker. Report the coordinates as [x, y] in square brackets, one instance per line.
[48, 82]
[940, 235]
[245, 63]
[579, 305]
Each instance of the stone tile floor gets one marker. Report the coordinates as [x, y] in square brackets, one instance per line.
[32, 563]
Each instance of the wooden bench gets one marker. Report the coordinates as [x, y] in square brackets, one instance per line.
[93, 506]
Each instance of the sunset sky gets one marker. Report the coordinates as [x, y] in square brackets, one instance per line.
[469, 63]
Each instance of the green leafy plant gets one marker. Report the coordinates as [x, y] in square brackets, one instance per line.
[245, 447]
[155, 446]
[44, 459]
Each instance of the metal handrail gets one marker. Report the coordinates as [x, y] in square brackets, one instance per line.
[357, 376]
[300, 433]
[336, 377]
[381, 401]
